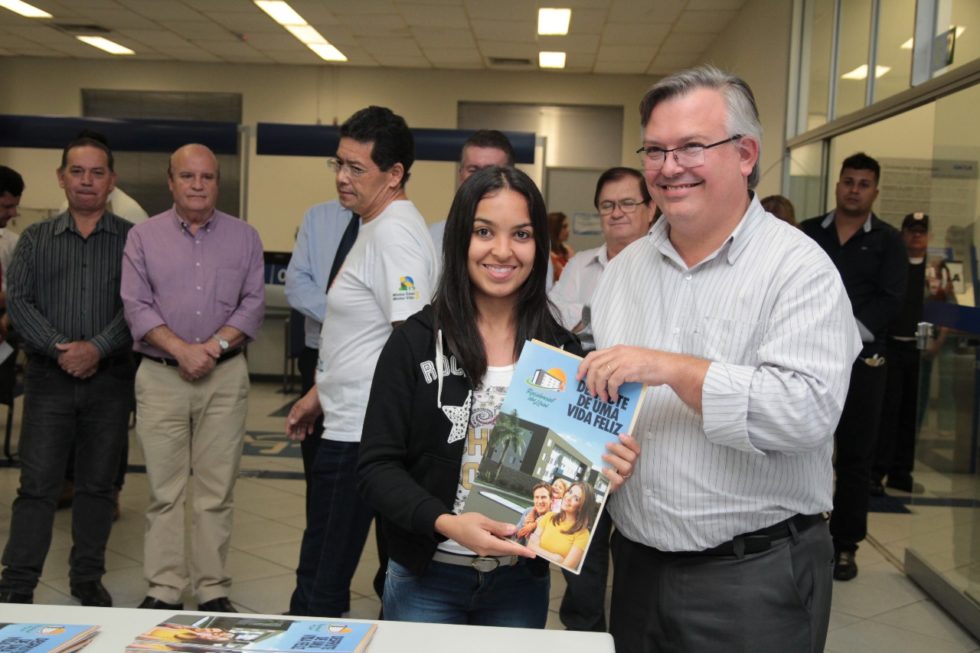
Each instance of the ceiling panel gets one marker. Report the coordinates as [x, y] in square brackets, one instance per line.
[704, 21]
[605, 36]
[504, 30]
[435, 16]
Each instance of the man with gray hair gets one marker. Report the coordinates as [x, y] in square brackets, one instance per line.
[742, 329]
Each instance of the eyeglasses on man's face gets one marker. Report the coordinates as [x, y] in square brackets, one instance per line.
[351, 169]
[690, 155]
[626, 206]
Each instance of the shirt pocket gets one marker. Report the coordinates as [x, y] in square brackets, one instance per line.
[227, 287]
[729, 341]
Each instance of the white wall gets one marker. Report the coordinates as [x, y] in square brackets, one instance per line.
[280, 189]
[756, 48]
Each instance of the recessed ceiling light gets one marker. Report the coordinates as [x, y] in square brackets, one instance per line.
[959, 32]
[286, 16]
[551, 59]
[280, 12]
[24, 9]
[861, 72]
[103, 43]
[554, 21]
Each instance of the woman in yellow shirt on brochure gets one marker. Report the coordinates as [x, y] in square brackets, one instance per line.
[562, 537]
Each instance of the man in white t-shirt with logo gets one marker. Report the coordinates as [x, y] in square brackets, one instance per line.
[389, 274]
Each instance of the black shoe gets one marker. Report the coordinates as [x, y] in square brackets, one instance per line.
[7, 596]
[156, 604]
[221, 604]
[845, 568]
[901, 482]
[92, 593]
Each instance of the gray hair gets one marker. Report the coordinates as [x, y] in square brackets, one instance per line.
[743, 115]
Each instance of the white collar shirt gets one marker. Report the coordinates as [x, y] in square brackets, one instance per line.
[770, 312]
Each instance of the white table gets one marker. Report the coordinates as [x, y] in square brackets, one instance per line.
[120, 626]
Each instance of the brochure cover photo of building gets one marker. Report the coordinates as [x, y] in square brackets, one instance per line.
[543, 466]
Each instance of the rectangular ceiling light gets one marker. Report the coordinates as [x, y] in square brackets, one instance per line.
[861, 72]
[554, 21]
[24, 9]
[103, 43]
[551, 59]
[286, 16]
[280, 12]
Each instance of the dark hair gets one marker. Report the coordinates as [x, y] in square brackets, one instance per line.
[862, 161]
[780, 207]
[392, 139]
[491, 138]
[555, 222]
[11, 182]
[742, 112]
[583, 518]
[88, 141]
[453, 304]
[617, 173]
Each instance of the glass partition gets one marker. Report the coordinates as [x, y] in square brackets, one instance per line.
[929, 159]
[896, 25]
[818, 43]
[852, 58]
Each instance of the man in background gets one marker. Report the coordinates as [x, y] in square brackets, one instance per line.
[389, 274]
[871, 259]
[485, 148]
[11, 188]
[895, 452]
[322, 243]
[194, 294]
[64, 302]
[626, 212]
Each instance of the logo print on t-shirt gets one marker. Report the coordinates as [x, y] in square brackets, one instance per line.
[406, 290]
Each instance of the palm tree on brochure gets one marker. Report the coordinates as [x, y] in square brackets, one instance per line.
[507, 434]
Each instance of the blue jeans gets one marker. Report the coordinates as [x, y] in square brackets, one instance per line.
[59, 411]
[337, 525]
[515, 596]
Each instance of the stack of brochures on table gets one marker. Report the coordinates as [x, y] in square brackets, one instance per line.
[44, 638]
[198, 633]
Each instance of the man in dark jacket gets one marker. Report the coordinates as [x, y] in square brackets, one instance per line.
[871, 259]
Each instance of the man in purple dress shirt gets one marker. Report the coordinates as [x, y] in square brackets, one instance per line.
[193, 292]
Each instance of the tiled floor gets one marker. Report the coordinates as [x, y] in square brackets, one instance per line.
[880, 611]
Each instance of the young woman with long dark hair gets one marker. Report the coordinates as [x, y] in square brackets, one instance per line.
[437, 389]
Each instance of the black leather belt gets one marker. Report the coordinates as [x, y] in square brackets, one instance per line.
[170, 362]
[760, 540]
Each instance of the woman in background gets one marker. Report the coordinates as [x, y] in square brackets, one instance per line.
[558, 234]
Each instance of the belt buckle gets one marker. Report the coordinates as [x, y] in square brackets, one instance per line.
[485, 565]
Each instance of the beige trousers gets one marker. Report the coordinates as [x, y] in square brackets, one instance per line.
[192, 434]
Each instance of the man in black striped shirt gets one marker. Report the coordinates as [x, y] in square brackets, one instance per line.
[63, 298]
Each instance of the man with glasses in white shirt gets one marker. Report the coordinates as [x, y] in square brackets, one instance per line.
[626, 212]
[741, 327]
[389, 274]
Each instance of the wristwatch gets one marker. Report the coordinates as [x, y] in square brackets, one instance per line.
[221, 342]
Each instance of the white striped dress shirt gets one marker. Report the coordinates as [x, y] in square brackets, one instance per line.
[769, 310]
